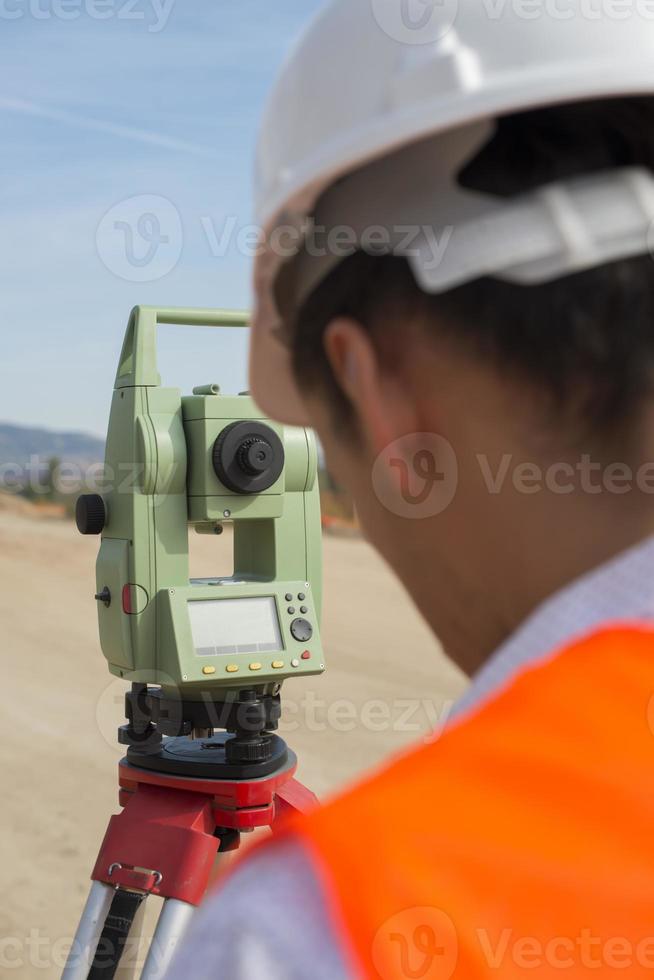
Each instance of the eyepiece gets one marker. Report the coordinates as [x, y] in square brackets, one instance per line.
[256, 456]
[248, 457]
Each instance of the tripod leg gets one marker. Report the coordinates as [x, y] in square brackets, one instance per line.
[173, 923]
[89, 931]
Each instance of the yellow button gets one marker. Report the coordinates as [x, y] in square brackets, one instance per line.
[233, 669]
[278, 664]
[208, 670]
[255, 666]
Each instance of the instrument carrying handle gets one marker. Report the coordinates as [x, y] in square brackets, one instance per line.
[138, 361]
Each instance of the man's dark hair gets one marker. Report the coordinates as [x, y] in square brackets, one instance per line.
[586, 340]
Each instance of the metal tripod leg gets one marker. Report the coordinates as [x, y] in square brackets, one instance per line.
[171, 927]
[88, 934]
[173, 923]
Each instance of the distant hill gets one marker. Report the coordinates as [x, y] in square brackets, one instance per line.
[18, 445]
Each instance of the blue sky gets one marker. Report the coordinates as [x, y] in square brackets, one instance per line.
[125, 122]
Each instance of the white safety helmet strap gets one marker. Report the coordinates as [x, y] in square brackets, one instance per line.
[410, 205]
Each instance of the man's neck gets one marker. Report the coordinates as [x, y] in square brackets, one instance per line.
[619, 591]
[474, 606]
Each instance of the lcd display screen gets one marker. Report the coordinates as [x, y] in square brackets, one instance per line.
[225, 627]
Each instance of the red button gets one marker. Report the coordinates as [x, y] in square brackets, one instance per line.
[306, 655]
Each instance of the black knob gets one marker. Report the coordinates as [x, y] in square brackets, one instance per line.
[247, 749]
[255, 456]
[248, 457]
[91, 514]
[104, 596]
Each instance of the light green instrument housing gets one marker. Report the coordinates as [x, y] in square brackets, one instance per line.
[158, 627]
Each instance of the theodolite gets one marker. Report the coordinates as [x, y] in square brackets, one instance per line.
[205, 658]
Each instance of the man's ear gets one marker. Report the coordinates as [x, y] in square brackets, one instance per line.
[379, 399]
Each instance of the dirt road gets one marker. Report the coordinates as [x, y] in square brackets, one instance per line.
[386, 686]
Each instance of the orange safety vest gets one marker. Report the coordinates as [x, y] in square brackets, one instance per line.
[519, 844]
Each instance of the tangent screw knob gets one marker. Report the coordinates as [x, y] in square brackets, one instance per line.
[91, 514]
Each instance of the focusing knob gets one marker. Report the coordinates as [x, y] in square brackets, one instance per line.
[248, 457]
[255, 456]
[91, 514]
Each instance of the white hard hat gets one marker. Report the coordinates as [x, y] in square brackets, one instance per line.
[378, 108]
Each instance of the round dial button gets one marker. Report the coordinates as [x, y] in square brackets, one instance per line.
[302, 630]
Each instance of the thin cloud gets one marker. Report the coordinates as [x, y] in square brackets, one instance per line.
[111, 129]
